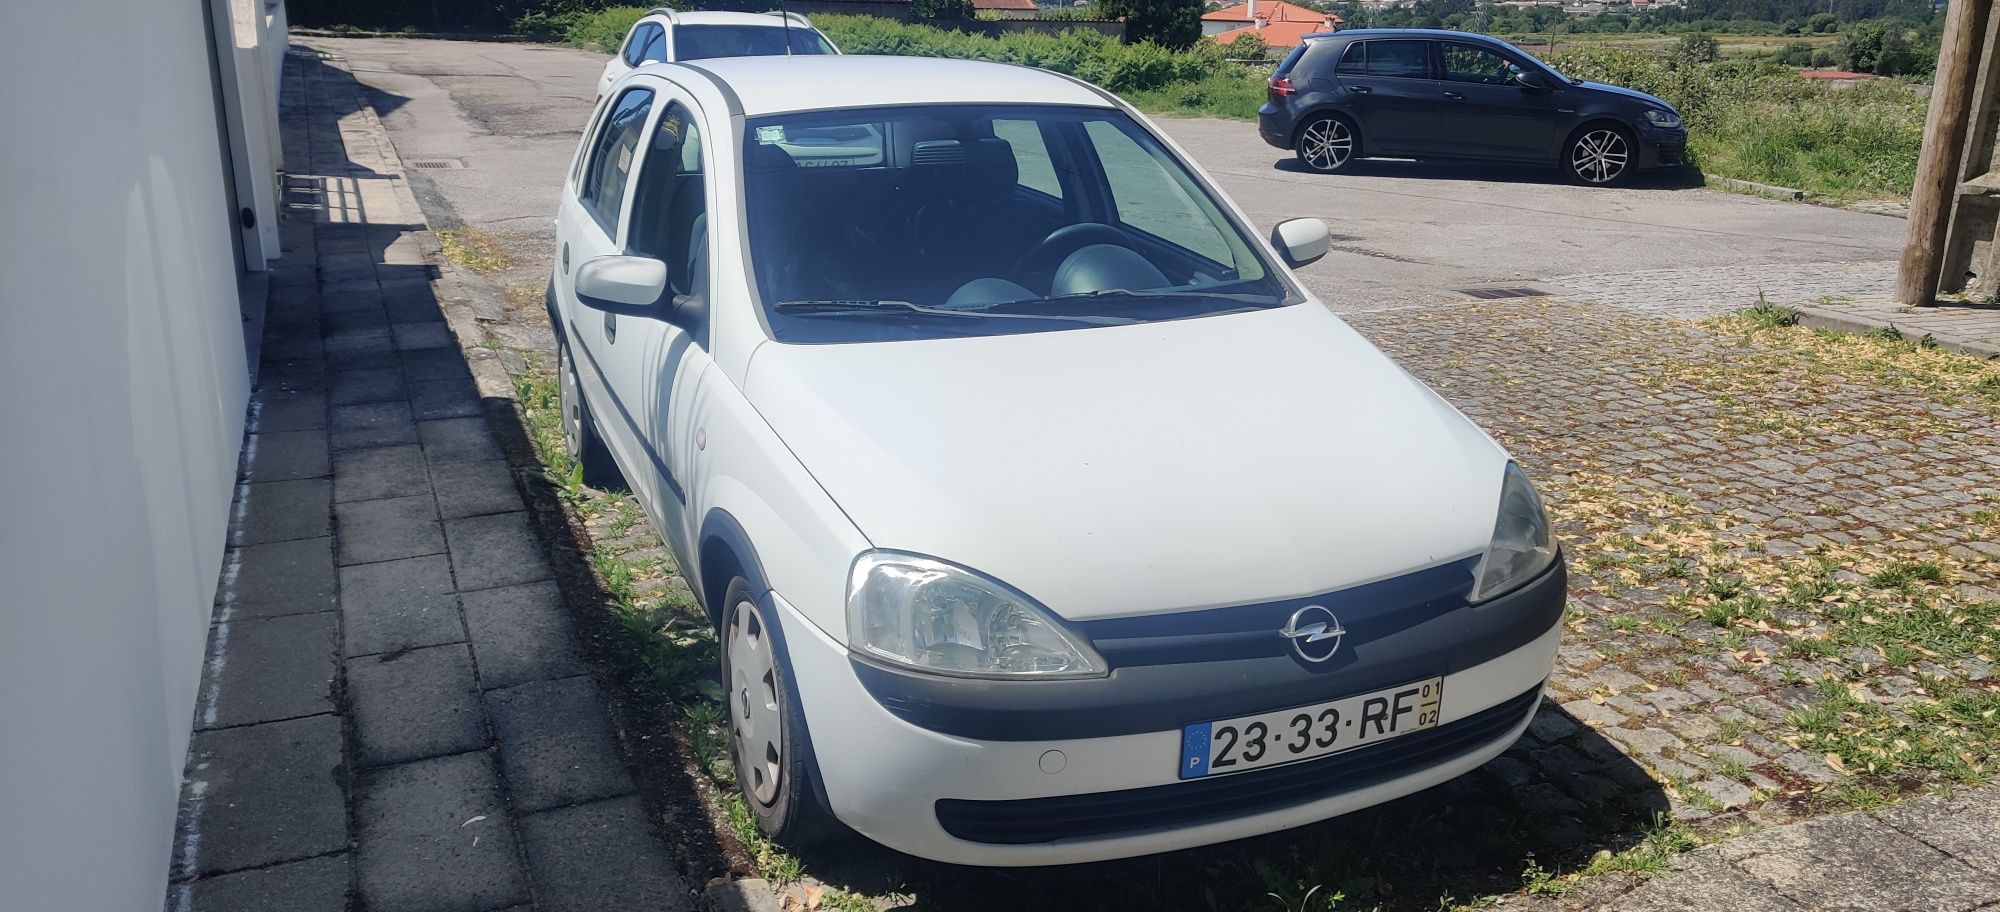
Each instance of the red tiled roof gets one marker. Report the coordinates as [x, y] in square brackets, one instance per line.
[1835, 74]
[1274, 10]
[1004, 4]
[1280, 34]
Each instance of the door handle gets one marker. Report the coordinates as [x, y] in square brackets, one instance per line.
[1459, 96]
[1360, 90]
[610, 326]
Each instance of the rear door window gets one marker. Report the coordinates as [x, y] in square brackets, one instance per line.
[611, 158]
[1401, 58]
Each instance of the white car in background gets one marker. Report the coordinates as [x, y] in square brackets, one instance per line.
[667, 36]
[1043, 515]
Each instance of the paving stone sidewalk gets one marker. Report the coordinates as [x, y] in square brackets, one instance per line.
[395, 714]
[1930, 854]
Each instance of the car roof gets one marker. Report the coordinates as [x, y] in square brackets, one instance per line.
[808, 82]
[720, 18]
[1351, 34]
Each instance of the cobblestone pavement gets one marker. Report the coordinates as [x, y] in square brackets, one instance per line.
[1679, 459]
[395, 716]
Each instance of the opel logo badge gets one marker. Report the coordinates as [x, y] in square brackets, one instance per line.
[1315, 633]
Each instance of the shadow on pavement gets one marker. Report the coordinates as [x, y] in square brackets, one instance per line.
[1680, 178]
[1559, 796]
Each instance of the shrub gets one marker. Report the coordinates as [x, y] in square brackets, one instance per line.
[1082, 53]
[602, 30]
[1796, 54]
[1250, 47]
[1174, 24]
[1880, 46]
[941, 9]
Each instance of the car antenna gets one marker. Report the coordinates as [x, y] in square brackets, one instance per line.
[786, 15]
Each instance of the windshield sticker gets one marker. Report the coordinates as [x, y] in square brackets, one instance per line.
[771, 135]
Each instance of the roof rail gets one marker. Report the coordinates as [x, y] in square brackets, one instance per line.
[798, 18]
[666, 11]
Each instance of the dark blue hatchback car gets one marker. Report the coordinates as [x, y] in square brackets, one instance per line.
[1421, 93]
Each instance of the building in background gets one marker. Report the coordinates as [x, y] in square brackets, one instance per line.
[139, 166]
[1280, 24]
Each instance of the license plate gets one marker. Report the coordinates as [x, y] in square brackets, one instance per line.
[1302, 732]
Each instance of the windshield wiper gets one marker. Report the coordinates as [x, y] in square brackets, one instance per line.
[864, 307]
[1246, 300]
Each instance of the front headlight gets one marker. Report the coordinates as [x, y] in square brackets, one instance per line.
[936, 617]
[1662, 118]
[1522, 546]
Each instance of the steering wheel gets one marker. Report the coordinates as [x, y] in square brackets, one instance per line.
[1037, 268]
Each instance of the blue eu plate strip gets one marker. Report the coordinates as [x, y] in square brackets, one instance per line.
[1194, 750]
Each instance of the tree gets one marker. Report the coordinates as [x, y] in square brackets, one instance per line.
[1879, 46]
[1697, 48]
[1821, 23]
[1250, 47]
[1172, 24]
[941, 9]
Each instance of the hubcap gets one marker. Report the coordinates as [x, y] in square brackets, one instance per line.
[1600, 156]
[1327, 144]
[753, 703]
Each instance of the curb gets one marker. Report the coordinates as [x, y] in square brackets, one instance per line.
[1770, 190]
[436, 36]
[747, 895]
[1836, 321]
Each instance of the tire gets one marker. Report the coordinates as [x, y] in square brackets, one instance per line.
[579, 427]
[768, 742]
[1600, 155]
[1327, 145]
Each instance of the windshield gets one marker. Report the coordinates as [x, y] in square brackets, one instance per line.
[700, 42]
[957, 220]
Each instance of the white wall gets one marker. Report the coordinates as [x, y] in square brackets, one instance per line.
[122, 391]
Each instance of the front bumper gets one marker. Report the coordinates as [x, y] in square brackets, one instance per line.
[891, 780]
[1662, 147]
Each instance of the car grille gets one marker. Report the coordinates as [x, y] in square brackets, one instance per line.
[1670, 153]
[1035, 820]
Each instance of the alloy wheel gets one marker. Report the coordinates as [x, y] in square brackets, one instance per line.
[754, 724]
[1600, 156]
[1327, 144]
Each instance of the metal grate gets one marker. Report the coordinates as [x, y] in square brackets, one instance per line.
[1490, 294]
[438, 164]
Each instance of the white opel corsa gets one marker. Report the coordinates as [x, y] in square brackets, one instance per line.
[1042, 514]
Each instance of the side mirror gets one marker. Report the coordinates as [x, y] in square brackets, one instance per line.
[628, 285]
[1529, 79]
[1302, 240]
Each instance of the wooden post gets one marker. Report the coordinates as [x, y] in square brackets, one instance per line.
[1936, 190]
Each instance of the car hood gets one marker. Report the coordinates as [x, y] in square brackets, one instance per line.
[1610, 89]
[1125, 470]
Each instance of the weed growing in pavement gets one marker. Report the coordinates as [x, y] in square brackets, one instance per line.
[1651, 855]
[471, 248]
[1770, 316]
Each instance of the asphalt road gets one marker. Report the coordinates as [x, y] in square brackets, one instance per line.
[503, 120]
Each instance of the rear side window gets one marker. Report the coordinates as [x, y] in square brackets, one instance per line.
[1403, 58]
[644, 36]
[1291, 60]
[611, 157]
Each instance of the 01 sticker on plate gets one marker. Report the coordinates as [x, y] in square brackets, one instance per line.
[1303, 732]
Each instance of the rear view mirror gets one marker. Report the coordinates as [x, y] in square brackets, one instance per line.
[622, 285]
[1302, 240]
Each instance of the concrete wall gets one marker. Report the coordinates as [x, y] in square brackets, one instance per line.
[123, 370]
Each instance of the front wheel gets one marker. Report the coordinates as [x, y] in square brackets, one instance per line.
[1599, 156]
[767, 739]
[1326, 145]
[580, 428]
